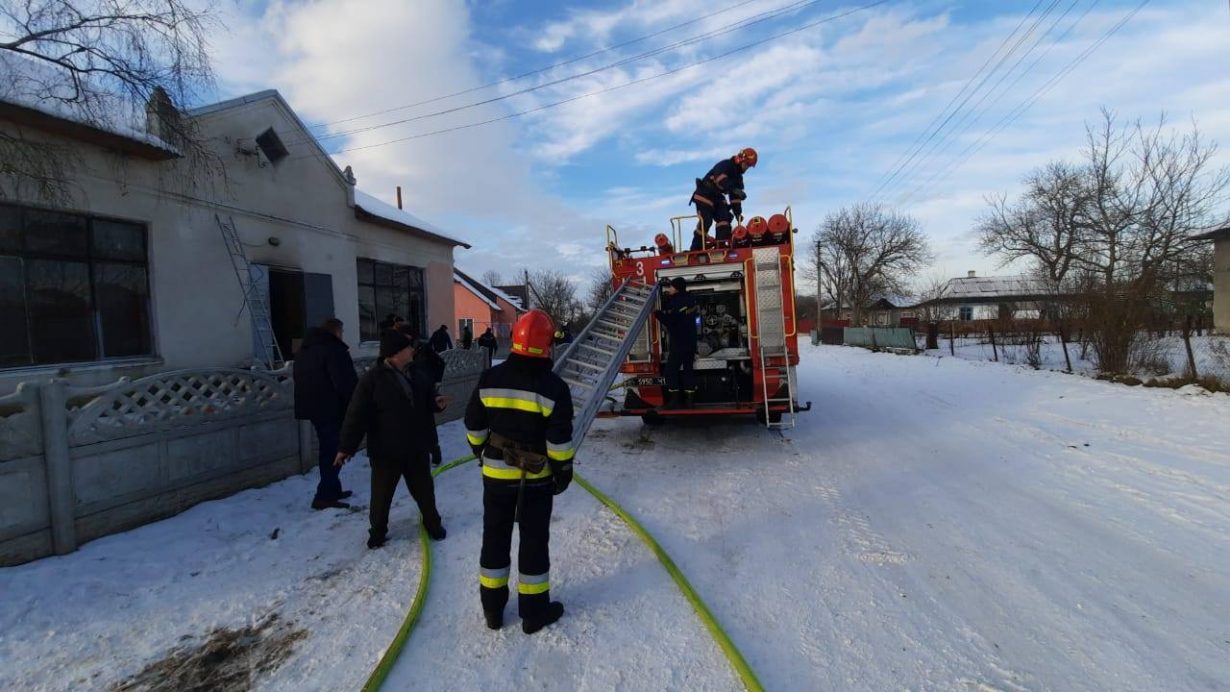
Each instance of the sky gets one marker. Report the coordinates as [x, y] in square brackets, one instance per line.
[834, 95]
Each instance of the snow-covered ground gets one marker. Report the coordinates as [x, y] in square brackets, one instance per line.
[932, 524]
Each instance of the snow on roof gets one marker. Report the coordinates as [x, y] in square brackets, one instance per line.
[27, 84]
[986, 287]
[388, 212]
[469, 285]
[512, 300]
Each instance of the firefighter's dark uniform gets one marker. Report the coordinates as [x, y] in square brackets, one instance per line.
[521, 400]
[678, 315]
[723, 181]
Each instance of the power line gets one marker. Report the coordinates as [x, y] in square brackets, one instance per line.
[1025, 105]
[904, 159]
[625, 85]
[906, 197]
[977, 111]
[540, 70]
[900, 168]
[729, 28]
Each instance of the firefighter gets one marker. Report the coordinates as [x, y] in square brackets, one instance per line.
[519, 424]
[678, 315]
[720, 193]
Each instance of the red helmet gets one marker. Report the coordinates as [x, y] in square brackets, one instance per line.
[532, 334]
[746, 156]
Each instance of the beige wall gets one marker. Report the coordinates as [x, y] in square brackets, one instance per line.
[303, 202]
[1221, 286]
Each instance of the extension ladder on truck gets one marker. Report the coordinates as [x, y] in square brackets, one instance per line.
[774, 350]
[253, 298]
[592, 360]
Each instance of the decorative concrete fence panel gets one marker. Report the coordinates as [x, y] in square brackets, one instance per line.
[77, 463]
[886, 338]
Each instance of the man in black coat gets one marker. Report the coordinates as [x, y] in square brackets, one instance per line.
[678, 315]
[426, 359]
[488, 341]
[440, 340]
[324, 380]
[394, 405]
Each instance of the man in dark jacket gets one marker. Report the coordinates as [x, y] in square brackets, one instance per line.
[678, 315]
[440, 340]
[324, 379]
[519, 424]
[487, 340]
[394, 405]
[720, 193]
[467, 338]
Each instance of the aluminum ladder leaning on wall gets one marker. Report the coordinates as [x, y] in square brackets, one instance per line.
[591, 362]
[256, 301]
[771, 329]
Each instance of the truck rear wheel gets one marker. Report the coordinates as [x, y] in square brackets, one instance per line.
[775, 417]
[653, 419]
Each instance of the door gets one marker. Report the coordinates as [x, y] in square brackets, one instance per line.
[297, 301]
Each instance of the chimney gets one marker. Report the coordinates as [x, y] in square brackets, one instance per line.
[399, 196]
[162, 119]
[972, 274]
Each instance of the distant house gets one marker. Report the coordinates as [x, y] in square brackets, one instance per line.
[974, 297]
[477, 306]
[129, 274]
[1221, 278]
[882, 311]
[518, 293]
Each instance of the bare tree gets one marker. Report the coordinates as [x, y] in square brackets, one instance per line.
[1046, 225]
[599, 289]
[929, 291]
[491, 277]
[101, 62]
[555, 293]
[867, 250]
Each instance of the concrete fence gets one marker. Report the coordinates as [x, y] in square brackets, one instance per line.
[78, 463]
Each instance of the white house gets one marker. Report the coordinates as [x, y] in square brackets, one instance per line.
[128, 274]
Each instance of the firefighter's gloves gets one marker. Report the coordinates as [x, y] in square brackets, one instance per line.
[737, 195]
[561, 474]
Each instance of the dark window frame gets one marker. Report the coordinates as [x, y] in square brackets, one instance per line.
[375, 275]
[96, 262]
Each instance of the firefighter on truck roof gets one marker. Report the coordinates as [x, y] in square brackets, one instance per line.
[720, 193]
[519, 424]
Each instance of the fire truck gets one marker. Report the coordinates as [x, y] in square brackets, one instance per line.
[746, 326]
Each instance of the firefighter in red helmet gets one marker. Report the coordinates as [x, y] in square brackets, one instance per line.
[719, 194]
[519, 424]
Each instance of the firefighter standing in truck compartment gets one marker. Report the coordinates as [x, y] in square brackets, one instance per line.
[719, 193]
[519, 424]
[678, 315]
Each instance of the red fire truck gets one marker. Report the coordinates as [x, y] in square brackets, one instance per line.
[746, 327]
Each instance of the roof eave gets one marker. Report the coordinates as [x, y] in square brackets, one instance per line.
[364, 215]
[71, 129]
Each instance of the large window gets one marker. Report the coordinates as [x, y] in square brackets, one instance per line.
[72, 288]
[389, 289]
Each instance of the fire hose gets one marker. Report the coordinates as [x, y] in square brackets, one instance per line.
[385, 665]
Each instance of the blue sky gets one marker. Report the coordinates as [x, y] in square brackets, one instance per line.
[832, 108]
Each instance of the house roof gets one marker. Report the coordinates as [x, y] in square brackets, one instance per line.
[974, 289]
[476, 288]
[515, 294]
[1216, 234]
[369, 208]
[29, 96]
[490, 293]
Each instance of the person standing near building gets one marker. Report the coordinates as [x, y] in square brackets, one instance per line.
[394, 406]
[467, 338]
[678, 315]
[519, 424]
[324, 380]
[487, 340]
[440, 340]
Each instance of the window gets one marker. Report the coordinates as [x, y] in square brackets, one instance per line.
[967, 313]
[271, 146]
[72, 288]
[463, 324]
[389, 289]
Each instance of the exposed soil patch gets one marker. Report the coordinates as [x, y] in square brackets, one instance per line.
[228, 660]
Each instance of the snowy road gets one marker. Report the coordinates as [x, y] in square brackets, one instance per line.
[933, 524]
